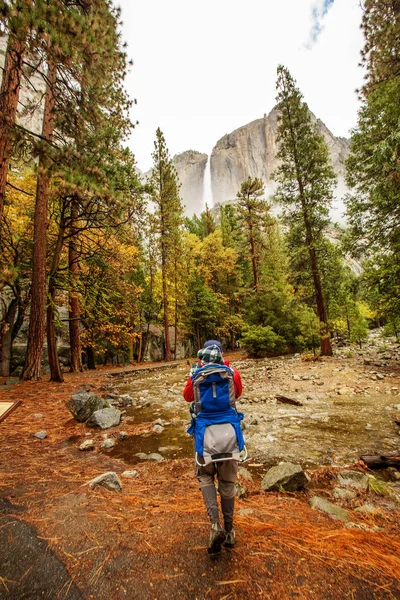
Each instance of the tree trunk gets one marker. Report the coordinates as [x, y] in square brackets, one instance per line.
[91, 363]
[326, 348]
[165, 303]
[253, 253]
[54, 363]
[139, 356]
[176, 328]
[383, 461]
[33, 362]
[74, 312]
[146, 341]
[9, 95]
[6, 328]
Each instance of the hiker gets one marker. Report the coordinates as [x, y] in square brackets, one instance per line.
[212, 390]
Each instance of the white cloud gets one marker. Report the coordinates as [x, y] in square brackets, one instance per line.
[203, 69]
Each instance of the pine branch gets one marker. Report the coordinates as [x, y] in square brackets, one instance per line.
[14, 187]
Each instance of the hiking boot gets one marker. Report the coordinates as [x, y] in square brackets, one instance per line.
[217, 538]
[229, 539]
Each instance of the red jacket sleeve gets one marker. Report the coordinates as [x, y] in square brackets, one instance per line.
[237, 382]
[188, 392]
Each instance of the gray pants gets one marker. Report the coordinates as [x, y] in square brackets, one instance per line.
[225, 471]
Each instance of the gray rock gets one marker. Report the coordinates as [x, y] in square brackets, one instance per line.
[108, 444]
[158, 428]
[83, 404]
[110, 480]
[87, 445]
[104, 418]
[367, 509]
[155, 456]
[38, 416]
[122, 435]
[342, 494]
[353, 479]
[141, 455]
[41, 435]
[131, 474]
[336, 512]
[127, 400]
[286, 475]
[362, 527]
[245, 474]
[240, 490]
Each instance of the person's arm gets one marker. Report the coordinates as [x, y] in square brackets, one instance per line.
[237, 382]
[188, 393]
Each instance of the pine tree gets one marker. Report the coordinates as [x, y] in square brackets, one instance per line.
[168, 215]
[88, 121]
[253, 215]
[373, 167]
[305, 182]
[14, 17]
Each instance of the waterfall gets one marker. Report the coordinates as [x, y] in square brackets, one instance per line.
[207, 187]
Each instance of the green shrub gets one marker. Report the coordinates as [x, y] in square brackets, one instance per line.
[260, 341]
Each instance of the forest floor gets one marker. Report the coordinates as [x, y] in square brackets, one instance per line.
[60, 539]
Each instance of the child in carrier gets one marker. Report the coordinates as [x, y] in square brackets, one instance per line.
[212, 390]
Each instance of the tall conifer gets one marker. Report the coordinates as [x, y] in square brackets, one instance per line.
[168, 219]
[305, 182]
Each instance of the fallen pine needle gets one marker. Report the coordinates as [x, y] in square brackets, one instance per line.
[232, 581]
[67, 591]
[89, 550]
[4, 583]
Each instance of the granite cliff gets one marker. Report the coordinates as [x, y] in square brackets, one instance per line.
[190, 166]
[248, 151]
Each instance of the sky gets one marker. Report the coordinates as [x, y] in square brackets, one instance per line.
[203, 69]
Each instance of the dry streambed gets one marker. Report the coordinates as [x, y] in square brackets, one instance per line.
[348, 408]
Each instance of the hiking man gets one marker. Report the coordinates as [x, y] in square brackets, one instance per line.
[212, 389]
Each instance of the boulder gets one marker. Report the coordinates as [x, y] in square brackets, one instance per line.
[110, 480]
[105, 418]
[83, 404]
[342, 494]
[285, 476]
[336, 512]
[353, 479]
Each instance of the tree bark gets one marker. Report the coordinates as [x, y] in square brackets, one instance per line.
[376, 461]
[54, 363]
[139, 355]
[6, 328]
[74, 308]
[165, 303]
[253, 252]
[91, 363]
[9, 95]
[33, 362]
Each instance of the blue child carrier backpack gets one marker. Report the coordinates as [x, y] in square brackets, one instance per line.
[216, 422]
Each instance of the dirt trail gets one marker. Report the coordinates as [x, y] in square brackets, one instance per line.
[149, 541]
